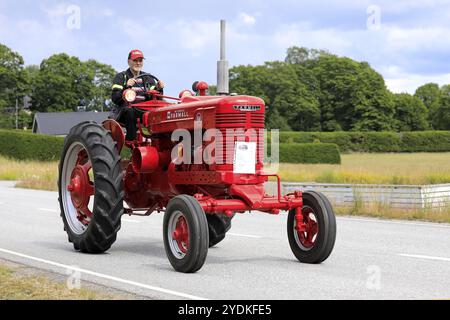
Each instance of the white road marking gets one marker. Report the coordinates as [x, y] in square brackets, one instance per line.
[130, 220]
[104, 276]
[243, 235]
[406, 223]
[48, 210]
[418, 256]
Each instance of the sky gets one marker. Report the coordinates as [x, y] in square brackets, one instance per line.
[408, 42]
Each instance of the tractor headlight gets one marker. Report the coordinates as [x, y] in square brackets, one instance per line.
[129, 95]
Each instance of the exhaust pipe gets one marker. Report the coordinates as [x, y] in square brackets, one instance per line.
[222, 65]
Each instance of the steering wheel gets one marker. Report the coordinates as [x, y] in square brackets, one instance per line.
[142, 85]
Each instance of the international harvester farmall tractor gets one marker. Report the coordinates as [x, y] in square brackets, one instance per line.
[199, 184]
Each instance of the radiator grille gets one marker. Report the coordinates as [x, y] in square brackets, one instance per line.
[240, 123]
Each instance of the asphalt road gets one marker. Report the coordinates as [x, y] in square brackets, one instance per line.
[372, 259]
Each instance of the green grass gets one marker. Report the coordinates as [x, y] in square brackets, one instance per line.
[374, 168]
[16, 286]
[383, 211]
[365, 168]
[30, 174]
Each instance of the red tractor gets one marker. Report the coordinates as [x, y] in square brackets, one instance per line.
[199, 196]
[200, 182]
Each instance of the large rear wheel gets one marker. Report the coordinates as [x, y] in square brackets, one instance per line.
[90, 188]
[312, 230]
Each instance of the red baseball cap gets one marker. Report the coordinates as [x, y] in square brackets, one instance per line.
[135, 54]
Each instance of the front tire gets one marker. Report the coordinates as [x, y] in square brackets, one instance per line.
[314, 240]
[186, 236]
[90, 188]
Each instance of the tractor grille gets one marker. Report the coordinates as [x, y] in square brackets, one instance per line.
[258, 120]
[231, 120]
[239, 124]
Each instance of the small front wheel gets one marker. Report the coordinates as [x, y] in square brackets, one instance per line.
[312, 232]
[186, 235]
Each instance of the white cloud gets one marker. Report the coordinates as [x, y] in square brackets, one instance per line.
[417, 39]
[398, 80]
[140, 31]
[303, 35]
[57, 11]
[403, 6]
[390, 38]
[410, 82]
[247, 19]
[196, 35]
[108, 12]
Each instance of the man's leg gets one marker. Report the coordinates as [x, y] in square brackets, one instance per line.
[128, 118]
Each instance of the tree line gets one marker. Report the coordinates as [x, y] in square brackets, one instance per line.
[311, 90]
[314, 90]
[60, 83]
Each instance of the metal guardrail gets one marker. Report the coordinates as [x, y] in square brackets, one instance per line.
[395, 196]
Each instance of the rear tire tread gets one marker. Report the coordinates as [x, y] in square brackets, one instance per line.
[101, 232]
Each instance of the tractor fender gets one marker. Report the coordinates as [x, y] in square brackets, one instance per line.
[116, 131]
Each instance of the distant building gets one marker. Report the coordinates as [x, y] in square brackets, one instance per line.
[60, 123]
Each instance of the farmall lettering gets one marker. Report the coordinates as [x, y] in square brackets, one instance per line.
[177, 114]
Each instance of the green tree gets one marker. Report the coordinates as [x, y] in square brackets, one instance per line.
[352, 96]
[299, 55]
[410, 113]
[275, 121]
[290, 102]
[62, 84]
[212, 90]
[430, 95]
[101, 76]
[14, 85]
[31, 73]
[442, 116]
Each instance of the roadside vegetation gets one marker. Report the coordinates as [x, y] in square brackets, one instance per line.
[382, 211]
[374, 168]
[30, 174]
[358, 168]
[17, 285]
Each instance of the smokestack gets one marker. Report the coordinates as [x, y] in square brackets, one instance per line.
[222, 64]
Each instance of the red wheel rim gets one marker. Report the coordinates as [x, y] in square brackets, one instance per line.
[81, 187]
[307, 232]
[181, 234]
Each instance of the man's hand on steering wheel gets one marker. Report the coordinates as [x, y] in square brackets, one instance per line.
[131, 82]
[159, 84]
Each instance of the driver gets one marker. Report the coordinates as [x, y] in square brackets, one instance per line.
[140, 82]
